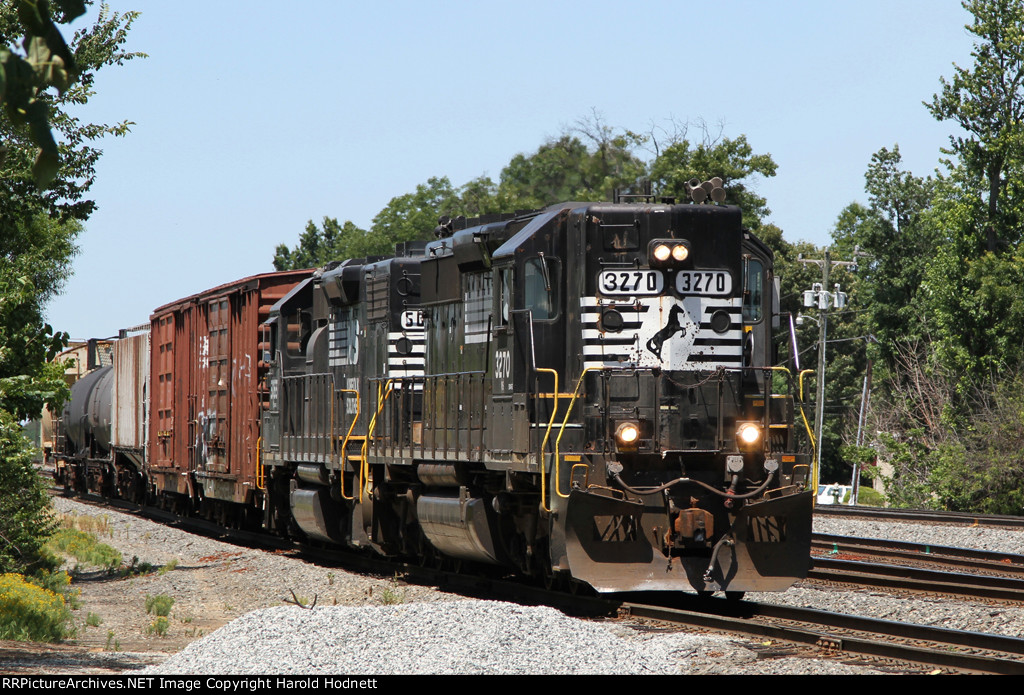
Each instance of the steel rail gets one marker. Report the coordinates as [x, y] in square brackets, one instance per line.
[889, 576]
[851, 635]
[961, 518]
[948, 556]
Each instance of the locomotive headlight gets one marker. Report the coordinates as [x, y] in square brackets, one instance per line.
[748, 434]
[627, 434]
[667, 252]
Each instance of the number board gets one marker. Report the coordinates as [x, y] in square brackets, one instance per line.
[412, 320]
[704, 282]
[631, 282]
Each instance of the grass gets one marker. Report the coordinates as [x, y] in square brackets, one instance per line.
[392, 595]
[83, 547]
[99, 525]
[167, 567]
[160, 606]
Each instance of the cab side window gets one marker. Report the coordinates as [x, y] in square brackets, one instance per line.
[540, 286]
[753, 290]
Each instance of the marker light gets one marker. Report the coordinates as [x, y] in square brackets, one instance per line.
[662, 252]
[680, 252]
[748, 433]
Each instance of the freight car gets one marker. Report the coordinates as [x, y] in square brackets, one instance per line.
[583, 394]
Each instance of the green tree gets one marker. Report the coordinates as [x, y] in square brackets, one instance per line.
[38, 228]
[732, 160]
[895, 240]
[30, 181]
[320, 245]
[987, 100]
[47, 62]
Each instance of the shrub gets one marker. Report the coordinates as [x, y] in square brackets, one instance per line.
[25, 517]
[870, 497]
[159, 605]
[29, 612]
[159, 626]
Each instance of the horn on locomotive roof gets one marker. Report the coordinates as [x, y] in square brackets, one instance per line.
[699, 192]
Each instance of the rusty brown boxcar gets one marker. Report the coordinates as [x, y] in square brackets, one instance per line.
[204, 405]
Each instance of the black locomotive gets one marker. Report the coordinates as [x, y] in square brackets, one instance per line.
[583, 393]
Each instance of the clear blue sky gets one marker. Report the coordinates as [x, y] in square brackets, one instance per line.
[252, 118]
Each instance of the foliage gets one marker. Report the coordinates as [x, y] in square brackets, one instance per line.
[587, 162]
[987, 100]
[869, 497]
[894, 240]
[36, 262]
[159, 626]
[31, 154]
[83, 547]
[38, 230]
[318, 246]
[32, 613]
[733, 160]
[25, 521]
[47, 62]
[159, 605]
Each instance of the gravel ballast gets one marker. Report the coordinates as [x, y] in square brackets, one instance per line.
[425, 631]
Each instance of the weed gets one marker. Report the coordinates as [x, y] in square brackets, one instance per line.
[159, 605]
[330, 578]
[89, 524]
[113, 645]
[393, 594]
[167, 567]
[82, 546]
[93, 620]
[136, 568]
[159, 626]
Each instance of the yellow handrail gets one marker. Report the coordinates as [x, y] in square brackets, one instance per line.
[810, 434]
[363, 468]
[544, 444]
[565, 421]
[344, 443]
[261, 474]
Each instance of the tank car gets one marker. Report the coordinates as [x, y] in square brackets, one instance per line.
[581, 394]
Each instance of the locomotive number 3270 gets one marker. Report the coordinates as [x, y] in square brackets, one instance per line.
[631, 282]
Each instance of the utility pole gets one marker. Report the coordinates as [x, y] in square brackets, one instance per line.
[820, 297]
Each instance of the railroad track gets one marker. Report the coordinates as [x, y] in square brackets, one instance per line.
[924, 515]
[919, 553]
[869, 562]
[847, 636]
